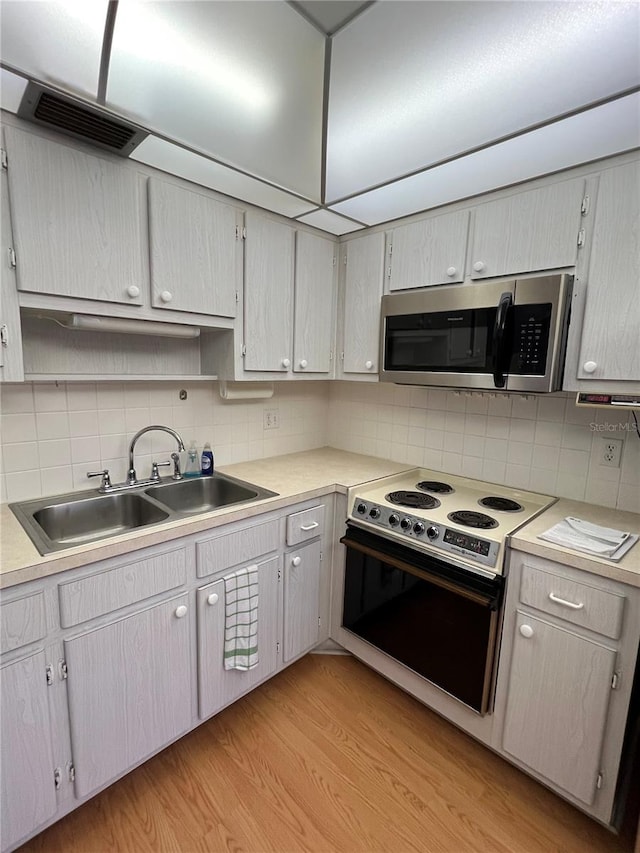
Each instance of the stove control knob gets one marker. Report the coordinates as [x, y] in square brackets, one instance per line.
[418, 528]
[405, 524]
[394, 520]
[374, 512]
[432, 532]
[361, 508]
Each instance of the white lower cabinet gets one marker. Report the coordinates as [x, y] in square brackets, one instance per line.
[28, 789]
[301, 599]
[130, 688]
[217, 686]
[568, 655]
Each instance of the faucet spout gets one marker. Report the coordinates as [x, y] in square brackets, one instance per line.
[132, 476]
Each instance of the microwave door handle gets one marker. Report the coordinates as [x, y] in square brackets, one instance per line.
[506, 301]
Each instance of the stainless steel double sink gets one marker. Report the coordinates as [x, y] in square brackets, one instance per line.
[77, 518]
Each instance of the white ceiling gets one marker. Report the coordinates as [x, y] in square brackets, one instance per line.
[428, 101]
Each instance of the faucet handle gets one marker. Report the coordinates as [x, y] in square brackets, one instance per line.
[154, 469]
[106, 479]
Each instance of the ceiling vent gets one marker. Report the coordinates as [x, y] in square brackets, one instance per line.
[89, 124]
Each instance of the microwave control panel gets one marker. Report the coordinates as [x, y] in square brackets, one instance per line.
[531, 339]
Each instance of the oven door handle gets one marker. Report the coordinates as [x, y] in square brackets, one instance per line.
[506, 301]
[485, 600]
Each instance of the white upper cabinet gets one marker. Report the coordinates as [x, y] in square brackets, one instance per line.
[76, 222]
[609, 346]
[530, 231]
[195, 251]
[314, 303]
[429, 252]
[363, 263]
[268, 294]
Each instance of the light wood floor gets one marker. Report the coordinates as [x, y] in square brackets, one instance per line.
[327, 757]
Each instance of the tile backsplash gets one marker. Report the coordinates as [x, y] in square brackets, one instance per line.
[52, 434]
[541, 443]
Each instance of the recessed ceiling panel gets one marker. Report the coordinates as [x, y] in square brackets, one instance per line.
[331, 222]
[177, 161]
[239, 80]
[414, 83]
[596, 133]
[57, 41]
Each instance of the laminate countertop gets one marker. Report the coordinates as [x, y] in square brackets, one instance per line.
[297, 477]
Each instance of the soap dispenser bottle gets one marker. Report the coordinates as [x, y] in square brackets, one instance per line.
[192, 468]
[206, 461]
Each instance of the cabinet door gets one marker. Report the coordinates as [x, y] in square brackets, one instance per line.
[364, 277]
[534, 230]
[429, 252]
[195, 252]
[129, 689]
[559, 689]
[268, 294]
[76, 222]
[217, 686]
[301, 599]
[11, 360]
[612, 310]
[28, 790]
[314, 303]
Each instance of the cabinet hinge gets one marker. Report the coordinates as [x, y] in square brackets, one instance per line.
[57, 778]
[391, 248]
[388, 272]
[12, 258]
[615, 680]
[243, 351]
[278, 648]
[319, 621]
[344, 259]
[62, 669]
[586, 203]
[4, 335]
[237, 297]
[581, 238]
[241, 232]
[4, 162]
[334, 260]
[49, 674]
[71, 772]
[279, 574]
[321, 556]
[330, 355]
[599, 780]
[341, 356]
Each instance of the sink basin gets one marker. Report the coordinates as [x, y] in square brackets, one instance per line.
[204, 494]
[71, 520]
[76, 518]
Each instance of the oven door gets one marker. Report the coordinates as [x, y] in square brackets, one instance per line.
[438, 620]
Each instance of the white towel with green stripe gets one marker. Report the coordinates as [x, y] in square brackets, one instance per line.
[241, 619]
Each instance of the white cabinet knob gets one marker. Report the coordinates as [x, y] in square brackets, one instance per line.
[526, 631]
[166, 296]
[285, 362]
[451, 272]
[133, 291]
[181, 611]
[303, 363]
[589, 367]
[295, 561]
[479, 266]
[212, 598]
[368, 365]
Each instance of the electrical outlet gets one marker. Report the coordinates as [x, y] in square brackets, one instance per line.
[610, 452]
[271, 419]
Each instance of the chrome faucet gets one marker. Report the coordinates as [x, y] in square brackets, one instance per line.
[132, 479]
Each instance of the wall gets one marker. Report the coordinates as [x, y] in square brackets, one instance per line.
[540, 443]
[52, 434]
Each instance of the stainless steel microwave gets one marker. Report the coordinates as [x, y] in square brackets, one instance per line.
[509, 335]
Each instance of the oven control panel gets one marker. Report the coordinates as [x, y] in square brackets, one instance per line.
[424, 533]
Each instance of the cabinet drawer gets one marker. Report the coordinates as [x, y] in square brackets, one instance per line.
[109, 590]
[305, 525]
[231, 549]
[22, 621]
[587, 606]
